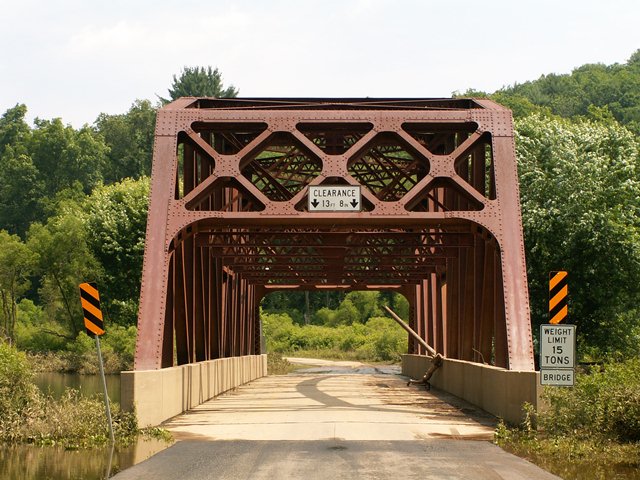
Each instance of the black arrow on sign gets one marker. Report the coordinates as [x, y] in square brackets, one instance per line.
[354, 203]
[315, 203]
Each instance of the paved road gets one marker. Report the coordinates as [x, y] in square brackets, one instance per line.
[334, 420]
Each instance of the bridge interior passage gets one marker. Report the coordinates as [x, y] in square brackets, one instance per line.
[229, 222]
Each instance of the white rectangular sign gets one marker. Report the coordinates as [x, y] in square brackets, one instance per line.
[557, 346]
[560, 377]
[335, 198]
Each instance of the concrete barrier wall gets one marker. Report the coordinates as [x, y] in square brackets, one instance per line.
[158, 395]
[496, 390]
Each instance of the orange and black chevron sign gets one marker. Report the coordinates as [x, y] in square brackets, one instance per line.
[558, 290]
[90, 299]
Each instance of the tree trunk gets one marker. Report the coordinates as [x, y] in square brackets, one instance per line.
[74, 330]
[5, 315]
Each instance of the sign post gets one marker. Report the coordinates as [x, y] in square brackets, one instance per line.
[94, 324]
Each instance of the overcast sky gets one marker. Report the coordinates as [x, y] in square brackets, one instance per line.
[77, 58]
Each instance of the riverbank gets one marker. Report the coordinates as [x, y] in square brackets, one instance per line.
[571, 458]
[85, 363]
[588, 432]
[73, 421]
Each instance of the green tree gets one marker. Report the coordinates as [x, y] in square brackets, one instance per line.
[20, 186]
[400, 305]
[324, 316]
[616, 87]
[580, 189]
[35, 332]
[115, 220]
[129, 137]
[17, 262]
[20, 191]
[346, 314]
[65, 261]
[14, 131]
[199, 82]
[366, 302]
[64, 155]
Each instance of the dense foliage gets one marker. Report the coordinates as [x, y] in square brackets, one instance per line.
[592, 90]
[604, 403]
[580, 190]
[379, 339]
[16, 387]
[73, 207]
[129, 137]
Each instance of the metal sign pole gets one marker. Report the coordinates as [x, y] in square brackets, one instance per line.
[104, 386]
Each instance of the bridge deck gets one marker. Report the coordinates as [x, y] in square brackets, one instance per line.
[345, 421]
[332, 406]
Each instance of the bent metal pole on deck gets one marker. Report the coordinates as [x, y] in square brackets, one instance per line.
[411, 332]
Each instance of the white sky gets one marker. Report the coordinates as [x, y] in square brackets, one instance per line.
[76, 58]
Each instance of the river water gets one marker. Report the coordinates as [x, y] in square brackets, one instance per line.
[55, 384]
[27, 462]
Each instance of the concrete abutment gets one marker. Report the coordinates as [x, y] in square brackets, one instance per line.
[497, 391]
[158, 395]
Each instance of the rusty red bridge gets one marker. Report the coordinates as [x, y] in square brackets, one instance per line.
[230, 221]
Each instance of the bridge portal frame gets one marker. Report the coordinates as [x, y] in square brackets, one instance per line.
[229, 185]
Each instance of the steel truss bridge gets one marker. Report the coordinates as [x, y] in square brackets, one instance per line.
[229, 222]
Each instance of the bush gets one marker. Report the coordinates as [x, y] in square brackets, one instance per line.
[385, 340]
[346, 314]
[16, 388]
[34, 333]
[352, 337]
[324, 316]
[278, 365]
[75, 421]
[121, 341]
[366, 303]
[82, 354]
[122, 312]
[604, 404]
[26, 415]
[380, 339]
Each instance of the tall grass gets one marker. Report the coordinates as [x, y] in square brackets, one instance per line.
[604, 403]
[589, 431]
[28, 416]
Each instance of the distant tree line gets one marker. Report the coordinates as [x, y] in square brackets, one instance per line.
[594, 91]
